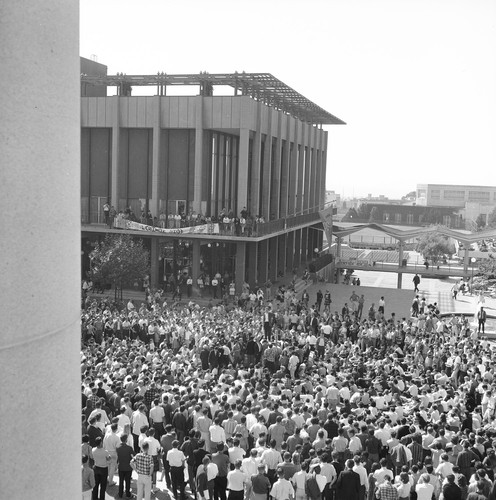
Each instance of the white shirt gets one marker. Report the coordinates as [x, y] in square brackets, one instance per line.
[217, 434]
[176, 458]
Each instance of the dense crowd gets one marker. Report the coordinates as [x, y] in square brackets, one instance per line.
[286, 398]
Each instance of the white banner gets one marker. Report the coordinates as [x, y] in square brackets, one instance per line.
[326, 217]
[136, 226]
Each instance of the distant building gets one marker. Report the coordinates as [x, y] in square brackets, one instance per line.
[471, 200]
[403, 214]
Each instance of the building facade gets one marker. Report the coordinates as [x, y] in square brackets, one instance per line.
[261, 150]
[472, 200]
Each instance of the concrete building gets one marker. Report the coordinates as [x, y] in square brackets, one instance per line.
[261, 149]
[472, 200]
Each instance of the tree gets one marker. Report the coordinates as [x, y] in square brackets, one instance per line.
[350, 216]
[434, 246]
[364, 211]
[374, 214]
[491, 218]
[487, 268]
[480, 222]
[119, 260]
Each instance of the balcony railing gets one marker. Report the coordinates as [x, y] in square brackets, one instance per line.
[255, 229]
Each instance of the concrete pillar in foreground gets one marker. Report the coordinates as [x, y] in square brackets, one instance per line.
[40, 248]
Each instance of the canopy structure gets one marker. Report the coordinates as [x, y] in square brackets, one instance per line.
[259, 86]
[406, 234]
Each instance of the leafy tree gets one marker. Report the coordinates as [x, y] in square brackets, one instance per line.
[480, 221]
[351, 215]
[119, 260]
[364, 211]
[434, 246]
[374, 214]
[491, 218]
[487, 268]
[410, 195]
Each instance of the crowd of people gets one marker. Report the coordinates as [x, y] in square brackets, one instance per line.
[244, 224]
[284, 397]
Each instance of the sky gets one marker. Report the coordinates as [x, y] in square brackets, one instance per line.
[414, 80]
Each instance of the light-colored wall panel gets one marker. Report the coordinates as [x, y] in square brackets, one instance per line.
[192, 103]
[100, 111]
[226, 112]
[124, 111]
[141, 112]
[207, 112]
[151, 104]
[132, 112]
[92, 112]
[165, 112]
[236, 112]
[183, 113]
[216, 112]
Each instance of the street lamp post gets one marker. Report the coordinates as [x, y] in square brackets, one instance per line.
[472, 261]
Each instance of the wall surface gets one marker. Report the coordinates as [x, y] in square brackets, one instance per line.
[40, 403]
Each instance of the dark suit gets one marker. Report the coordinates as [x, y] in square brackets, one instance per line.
[348, 485]
[269, 319]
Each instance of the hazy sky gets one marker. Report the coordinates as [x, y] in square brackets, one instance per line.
[415, 80]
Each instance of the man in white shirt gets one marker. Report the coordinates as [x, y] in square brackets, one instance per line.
[110, 443]
[236, 480]
[157, 418]
[217, 434]
[176, 459]
[138, 421]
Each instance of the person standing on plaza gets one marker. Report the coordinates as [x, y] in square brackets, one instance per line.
[327, 301]
[416, 283]
[236, 481]
[176, 459]
[110, 443]
[102, 459]
[88, 478]
[386, 491]
[282, 489]
[125, 454]
[260, 484]
[481, 318]
[142, 463]
[221, 460]
[348, 483]
[318, 302]
[382, 305]
[354, 302]
[361, 302]
[138, 420]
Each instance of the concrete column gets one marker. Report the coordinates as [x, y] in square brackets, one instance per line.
[291, 250]
[266, 174]
[254, 207]
[301, 171]
[154, 262]
[307, 180]
[155, 202]
[244, 147]
[285, 166]
[263, 263]
[273, 258]
[297, 248]
[116, 137]
[281, 257]
[275, 181]
[40, 267]
[293, 168]
[252, 268]
[197, 190]
[240, 265]
[323, 164]
[195, 271]
[304, 246]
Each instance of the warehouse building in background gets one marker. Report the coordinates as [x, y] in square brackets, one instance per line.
[260, 149]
